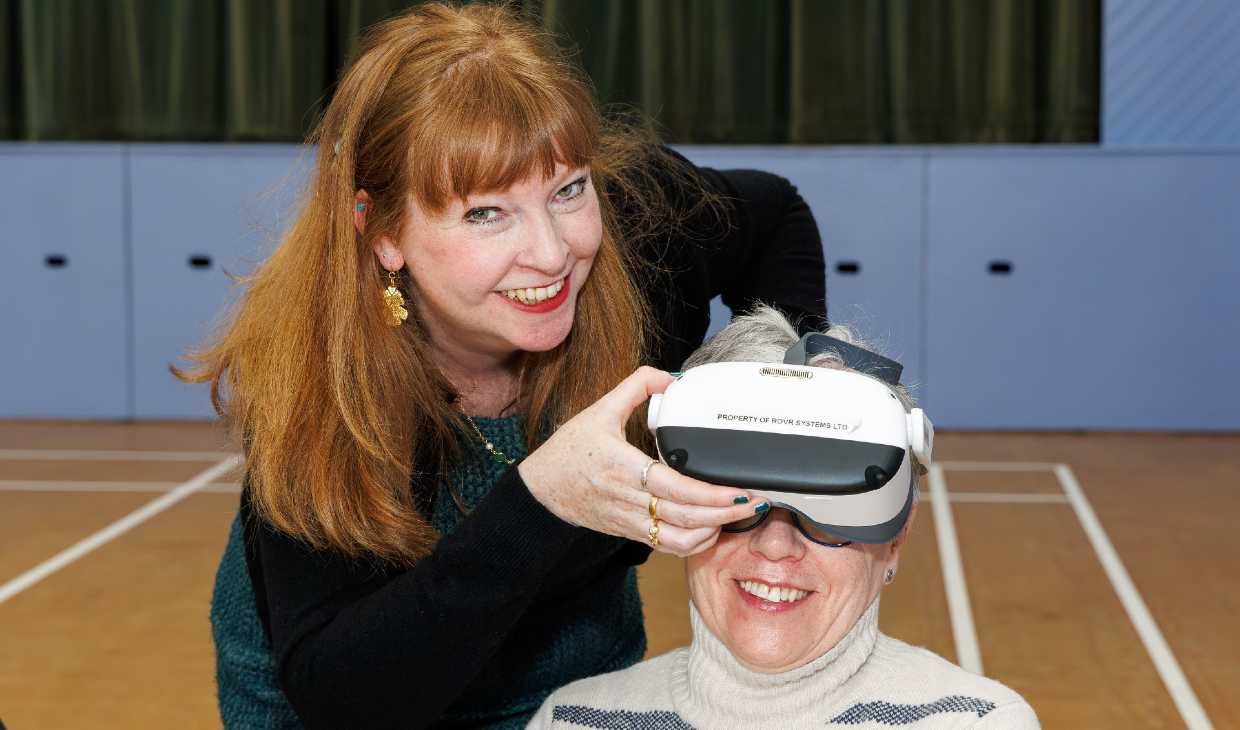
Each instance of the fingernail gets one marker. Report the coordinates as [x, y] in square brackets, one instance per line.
[761, 508]
[741, 500]
[676, 374]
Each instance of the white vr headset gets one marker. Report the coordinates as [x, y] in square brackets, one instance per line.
[834, 446]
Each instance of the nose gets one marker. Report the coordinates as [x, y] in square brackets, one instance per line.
[545, 249]
[777, 538]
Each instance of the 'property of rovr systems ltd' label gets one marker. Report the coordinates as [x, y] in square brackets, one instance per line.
[804, 423]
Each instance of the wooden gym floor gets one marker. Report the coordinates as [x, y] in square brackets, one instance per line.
[1097, 574]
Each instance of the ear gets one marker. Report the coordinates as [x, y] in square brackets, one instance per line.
[361, 204]
[384, 247]
[388, 253]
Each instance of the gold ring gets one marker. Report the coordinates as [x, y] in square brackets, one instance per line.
[653, 533]
[654, 507]
[646, 471]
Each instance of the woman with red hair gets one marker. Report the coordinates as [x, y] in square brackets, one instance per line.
[434, 378]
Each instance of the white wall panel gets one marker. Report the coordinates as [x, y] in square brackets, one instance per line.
[63, 328]
[1121, 310]
[225, 204]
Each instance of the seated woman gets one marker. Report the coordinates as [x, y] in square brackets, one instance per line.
[785, 622]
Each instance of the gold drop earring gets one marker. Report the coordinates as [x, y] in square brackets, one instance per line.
[395, 302]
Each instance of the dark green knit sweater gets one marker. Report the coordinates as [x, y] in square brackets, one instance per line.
[581, 642]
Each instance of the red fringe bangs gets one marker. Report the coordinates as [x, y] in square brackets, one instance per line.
[517, 127]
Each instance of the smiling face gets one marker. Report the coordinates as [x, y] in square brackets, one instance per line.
[499, 272]
[822, 591]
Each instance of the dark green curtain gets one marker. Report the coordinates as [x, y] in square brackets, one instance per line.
[707, 71]
[152, 70]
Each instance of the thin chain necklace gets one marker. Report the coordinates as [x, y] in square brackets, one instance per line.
[499, 456]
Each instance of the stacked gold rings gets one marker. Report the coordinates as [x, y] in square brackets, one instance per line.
[652, 534]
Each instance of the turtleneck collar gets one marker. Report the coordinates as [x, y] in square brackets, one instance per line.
[710, 685]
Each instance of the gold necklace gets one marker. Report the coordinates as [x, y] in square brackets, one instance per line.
[499, 456]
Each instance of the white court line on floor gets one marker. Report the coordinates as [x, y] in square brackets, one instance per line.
[1164, 660]
[116, 529]
[20, 485]
[996, 465]
[968, 655]
[110, 455]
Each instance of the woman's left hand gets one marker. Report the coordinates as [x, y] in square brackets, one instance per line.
[587, 474]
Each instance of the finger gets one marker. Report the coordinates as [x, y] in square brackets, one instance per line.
[711, 538]
[690, 516]
[694, 516]
[635, 390]
[678, 540]
[666, 482]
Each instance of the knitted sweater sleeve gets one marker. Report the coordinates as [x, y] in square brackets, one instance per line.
[760, 245]
[772, 251]
[356, 646]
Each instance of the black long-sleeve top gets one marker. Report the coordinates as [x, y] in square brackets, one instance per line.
[358, 647]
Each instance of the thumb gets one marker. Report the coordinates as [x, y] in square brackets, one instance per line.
[635, 390]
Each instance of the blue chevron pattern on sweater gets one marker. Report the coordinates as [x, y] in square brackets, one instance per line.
[619, 719]
[888, 713]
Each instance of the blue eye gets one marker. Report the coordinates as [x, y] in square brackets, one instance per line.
[482, 216]
[572, 190]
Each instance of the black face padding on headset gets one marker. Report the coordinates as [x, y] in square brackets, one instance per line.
[855, 358]
[778, 461]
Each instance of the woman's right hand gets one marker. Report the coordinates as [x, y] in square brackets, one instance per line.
[587, 474]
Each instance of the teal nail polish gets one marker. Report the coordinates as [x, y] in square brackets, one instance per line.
[741, 500]
[676, 374]
[761, 508]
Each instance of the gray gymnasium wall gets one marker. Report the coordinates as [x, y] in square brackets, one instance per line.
[1118, 309]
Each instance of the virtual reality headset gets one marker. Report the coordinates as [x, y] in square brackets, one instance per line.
[834, 446]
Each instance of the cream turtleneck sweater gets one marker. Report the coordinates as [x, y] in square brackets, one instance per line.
[868, 680]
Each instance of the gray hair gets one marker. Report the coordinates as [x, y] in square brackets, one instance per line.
[764, 334]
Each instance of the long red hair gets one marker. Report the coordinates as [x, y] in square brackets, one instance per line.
[334, 407]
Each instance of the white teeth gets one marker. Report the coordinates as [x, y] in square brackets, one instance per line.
[774, 594]
[532, 295]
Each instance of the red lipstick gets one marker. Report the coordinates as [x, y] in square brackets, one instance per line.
[545, 305]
